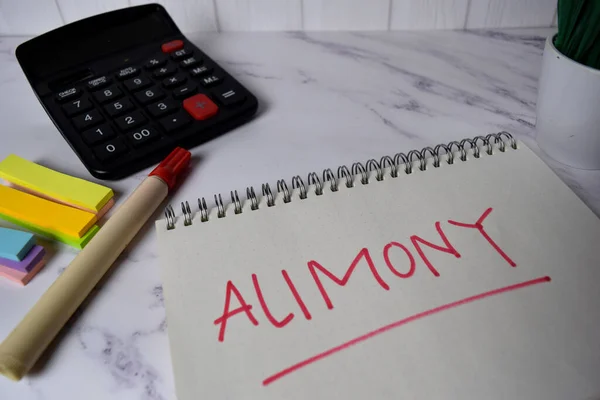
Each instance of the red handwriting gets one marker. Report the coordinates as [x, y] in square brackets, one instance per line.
[479, 226]
[317, 270]
[399, 323]
[416, 240]
[245, 307]
[364, 253]
[411, 259]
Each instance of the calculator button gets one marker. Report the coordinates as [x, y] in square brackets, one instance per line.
[175, 122]
[99, 82]
[201, 70]
[127, 72]
[76, 106]
[189, 62]
[118, 107]
[68, 94]
[137, 83]
[210, 80]
[130, 121]
[229, 97]
[108, 94]
[88, 119]
[149, 95]
[174, 80]
[156, 62]
[110, 149]
[98, 134]
[141, 136]
[162, 108]
[183, 53]
[165, 71]
[200, 107]
[184, 91]
[171, 46]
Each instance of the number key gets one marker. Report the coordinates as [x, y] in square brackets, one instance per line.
[137, 83]
[162, 108]
[110, 149]
[118, 107]
[130, 121]
[88, 119]
[108, 94]
[98, 134]
[149, 95]
[141, 136]
[76, 106]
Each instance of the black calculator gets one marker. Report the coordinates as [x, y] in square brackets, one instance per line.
[124, 88]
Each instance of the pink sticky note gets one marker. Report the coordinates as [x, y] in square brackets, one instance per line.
[22, 278]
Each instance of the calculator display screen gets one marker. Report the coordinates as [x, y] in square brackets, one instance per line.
[85, 42]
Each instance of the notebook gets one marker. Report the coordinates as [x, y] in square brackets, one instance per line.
[464, 271]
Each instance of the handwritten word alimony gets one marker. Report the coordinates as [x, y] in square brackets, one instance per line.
[317, 271]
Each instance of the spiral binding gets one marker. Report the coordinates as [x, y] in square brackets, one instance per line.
[346, 175]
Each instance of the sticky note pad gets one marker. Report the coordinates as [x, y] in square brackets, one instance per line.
[44, 214]
[57, 186]
[78, 243]
[30, 261]
[14, 245]
[22, 278]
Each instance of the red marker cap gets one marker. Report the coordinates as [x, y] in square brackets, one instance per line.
[172, 166]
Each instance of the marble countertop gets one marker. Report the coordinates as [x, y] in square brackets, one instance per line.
[326, 99]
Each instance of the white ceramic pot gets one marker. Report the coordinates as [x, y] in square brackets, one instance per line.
[568, 110]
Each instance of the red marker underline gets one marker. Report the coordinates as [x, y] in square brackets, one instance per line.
[401, 322]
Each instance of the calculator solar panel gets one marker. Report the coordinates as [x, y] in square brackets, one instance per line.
[126, 87]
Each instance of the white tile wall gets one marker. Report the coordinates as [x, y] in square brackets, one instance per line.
[428, 14]
[31, 17]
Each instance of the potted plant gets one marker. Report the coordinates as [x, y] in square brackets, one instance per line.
[568, 106]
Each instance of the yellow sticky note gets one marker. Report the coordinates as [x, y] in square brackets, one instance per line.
[54, 185]
[45, 214]
[78, 243]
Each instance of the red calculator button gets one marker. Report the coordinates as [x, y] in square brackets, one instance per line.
[171, 46]
[200, 107]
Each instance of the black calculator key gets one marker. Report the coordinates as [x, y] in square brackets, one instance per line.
[149, 95]
[99, 82]
[175, 80]
[108, 94]
[210, 80]
[229, 96]
[77, 106]
[189, 62]
[137, 83]
[110, 149]
[162, 108]
[156, 62]
[183, 53]
[201, 70]
[118, 107]
[127, 72]
[165, 71]
[175, 121]
[130, 120]
[67, 94]
[88, 119]
[98, 134]
[184, 91]
[143, 135]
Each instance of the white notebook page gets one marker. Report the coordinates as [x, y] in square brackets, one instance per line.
[507, 309]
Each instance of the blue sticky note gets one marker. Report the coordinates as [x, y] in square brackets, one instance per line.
[14, 244]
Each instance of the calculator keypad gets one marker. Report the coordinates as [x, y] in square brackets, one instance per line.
[136, 107]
